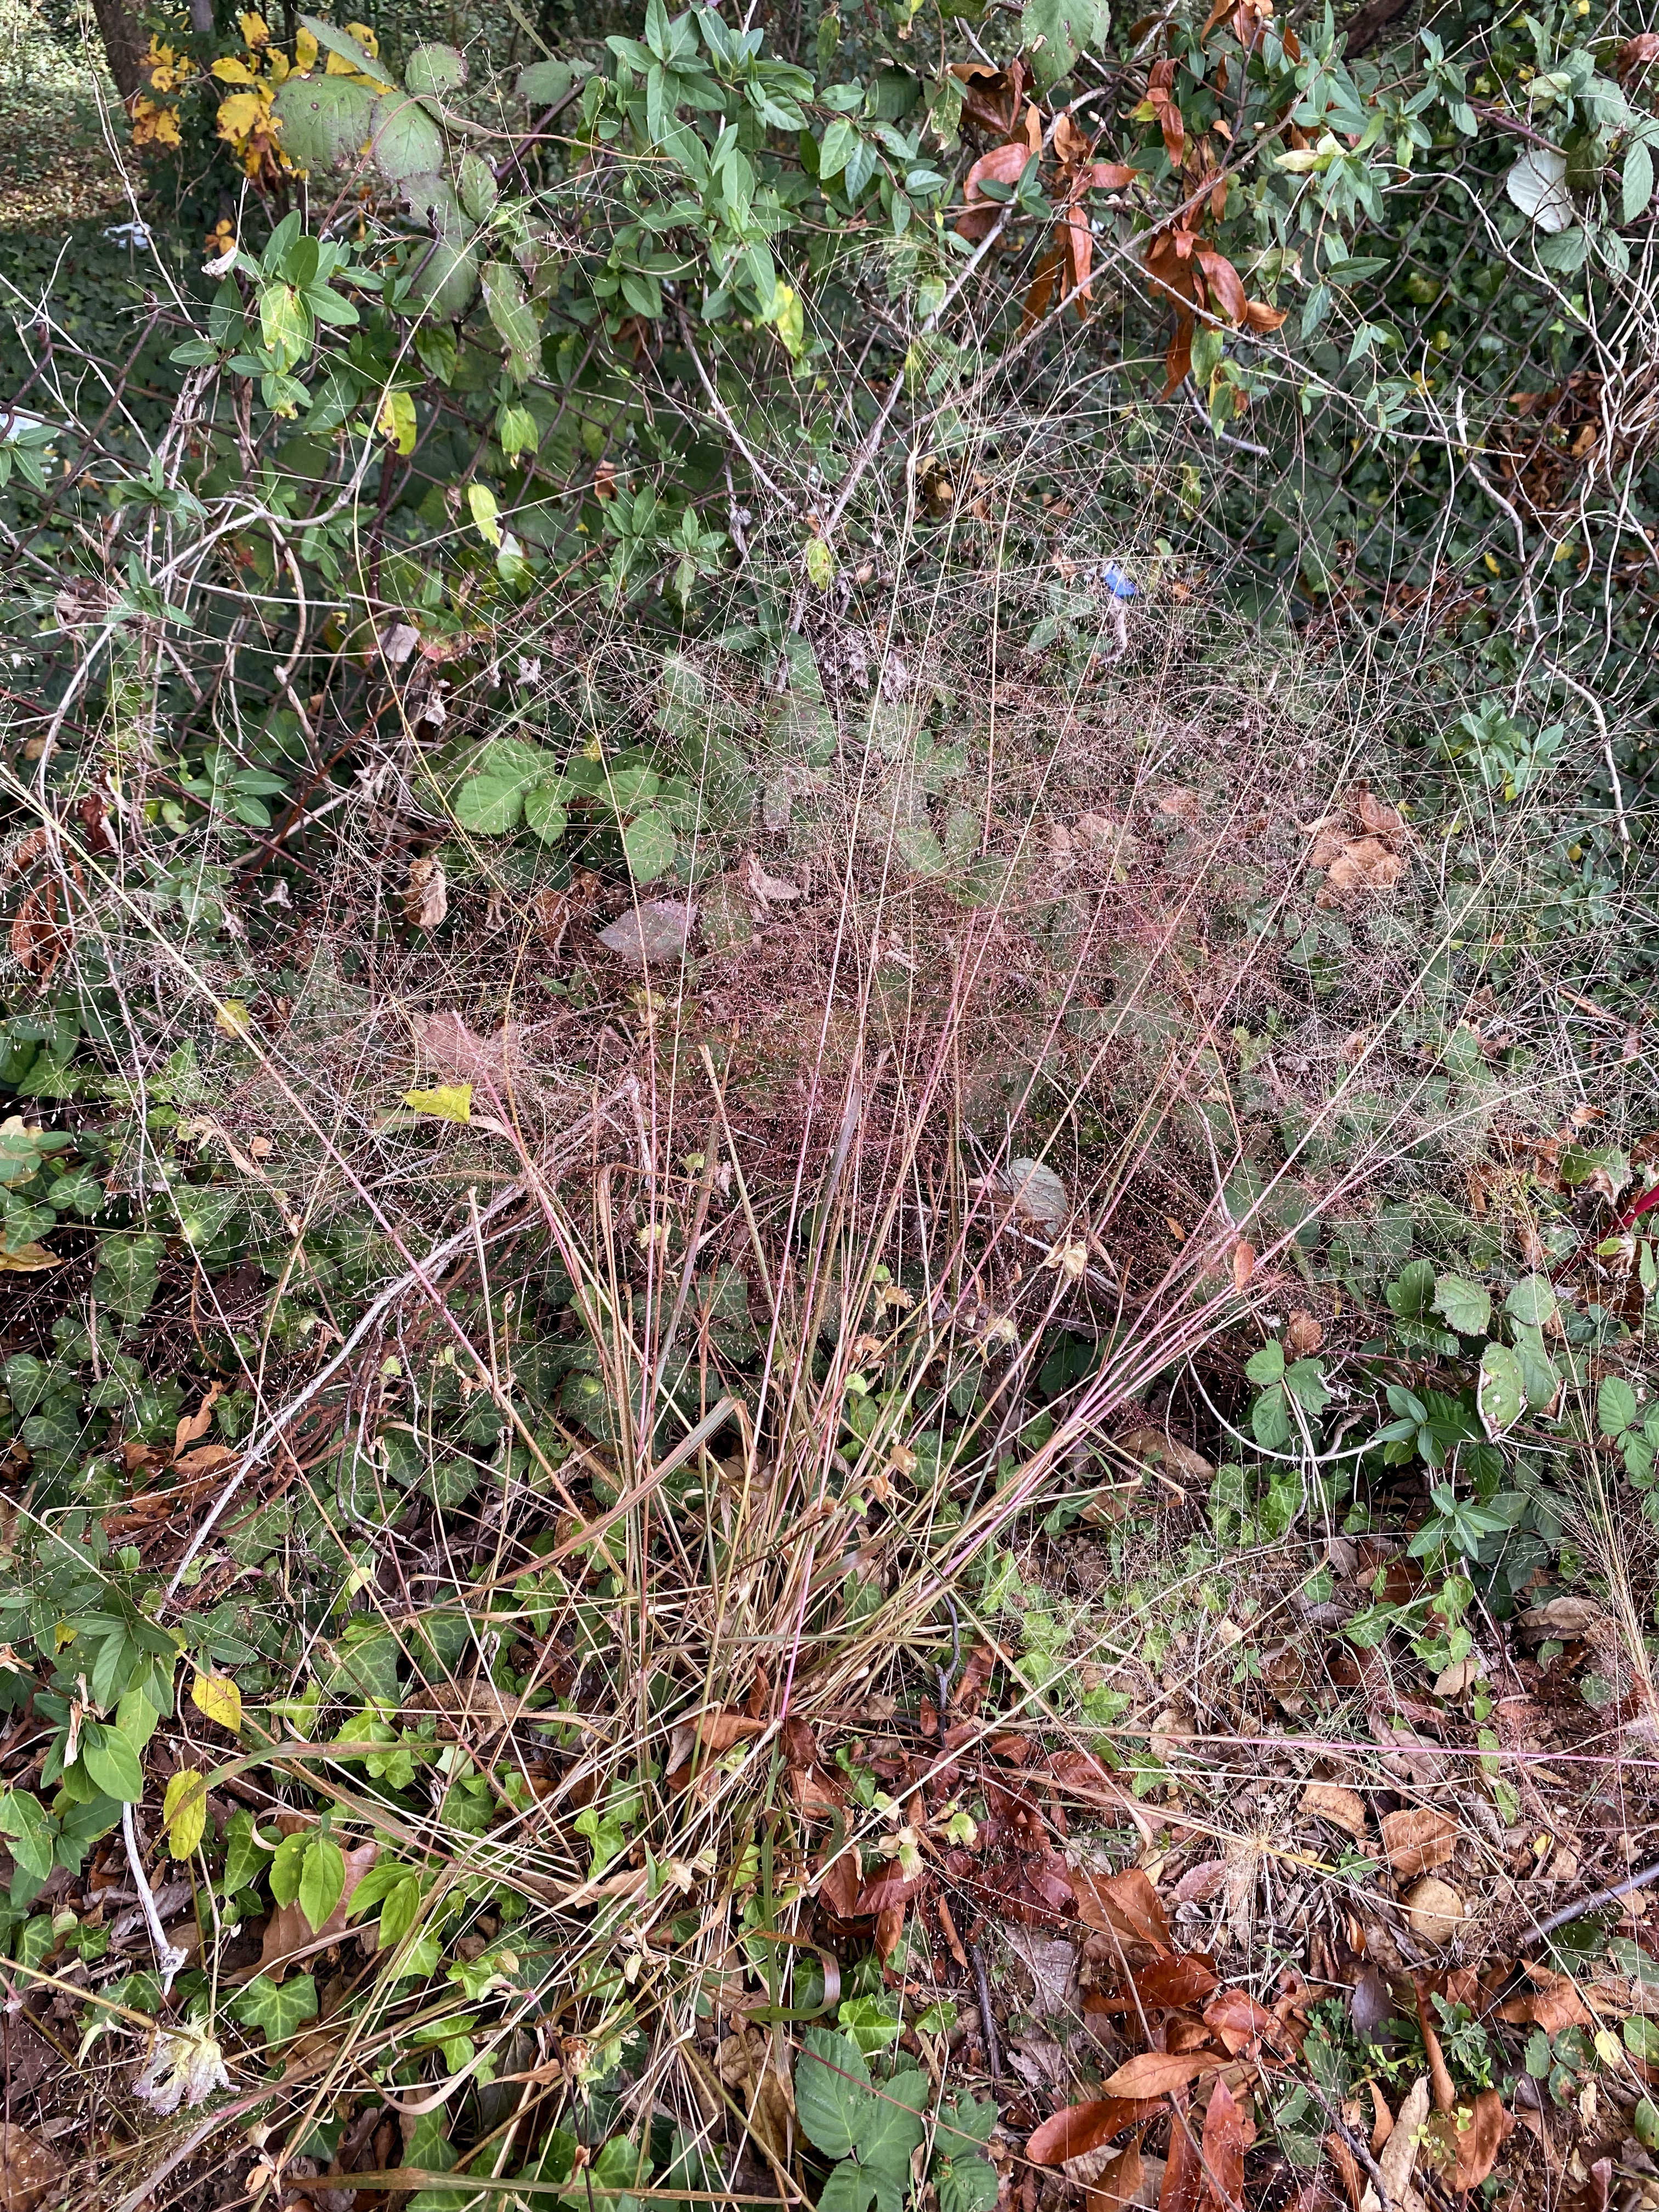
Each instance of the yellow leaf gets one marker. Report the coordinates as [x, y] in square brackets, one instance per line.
[450, 1101]
[485, 513]
[184, 1811]
[254, 30]
[366, 39]
[219, 1698]
[232, 70]
[232, 1018]
[239, 116]
[396, 420]
[1608, 2049]
[305, 51]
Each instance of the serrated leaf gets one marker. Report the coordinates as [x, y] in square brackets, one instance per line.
[545, 814]
[343, 43]
[324, 120]
[322, 1877]
[279, 2007]
[648, 845]
[217, 1697]
[435, 71]
[184, 1811]
[406, 142]
[1466, 1306]
[1615, 1406]
[1267, 1366]
[1501, 1392]
[1532, 1302]
[544, 83]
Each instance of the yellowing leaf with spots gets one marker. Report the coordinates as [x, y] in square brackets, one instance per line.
[396, 420]
[450, 1101]
[219, 1698]
[184, 1809]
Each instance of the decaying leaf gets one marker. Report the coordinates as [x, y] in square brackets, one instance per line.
[1223, 2147]
[1398, 2161]
[1465, 2144]
[1038, 1195]
[1555, 2004]
[1343, 1809]
[426, 893]
[1153, 1447]
[1120, 2185]
[37, 941]
[30, 2171]
[655, 929]
[1201, 1882]
[1124, 1905]
[1417, 1838]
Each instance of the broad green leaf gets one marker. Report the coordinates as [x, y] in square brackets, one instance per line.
[287, 1866]
[544, 813]
[832, 2091]
[1409, 1293]
[1306, 1382]
[406, 142]
[435, 71]
[401, 1909]
[966, 2182]
[545, 83]
[30, 1830]
[1616, 1408]
[486, 514]
[322, 1877]
[1267, 1366]
[649, 845]
[449, 1102]
[324, 120]
[514, 317]
[1636, 184]
[184, 1811]
[479, 190]
[110, 1761]
[1642, 2039]
[1532, 1302]
[848, 2188]
[1055, 32]
[279, 2007]
[1270, 1419]
[1501, 1393]
[1466, 1306]
[348, 48]
[1540, 1376]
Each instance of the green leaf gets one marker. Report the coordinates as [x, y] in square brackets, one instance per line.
[966, 2182]
[1642, 2039]
[1270, 1419]
[490, 800]
[406, 142]
[326, 120]
[1501, 1393]
[401, 1909]
[649, 845]
[1636, 184]
[1616, 1407]
[322, 1877]
[111, 1759]
[832, 2091]
[1409, 1293]
[479, 190]
[1466, 1306]
[126, 1283]
[287, 1866]
[278, 2008]
[514, 317]
[342, 43]
[1055, 32]
[1306, 1382]
[1540, 1376]
[544, 84]
[1532, 1302]
[1267, 1366]
[435, 71]
[545, 812]
[245, 1859]
[30, 1830]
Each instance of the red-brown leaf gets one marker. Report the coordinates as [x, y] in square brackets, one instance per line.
[1183, 2176]
[1182, 1980]
[1238, 2020]
[1121, 2184]
[1226, 286]
[1156, 2073]
[1107, 177]
[1201, 1882]
[1003, 165]
[1259, 316]
[1467, 2153]
[1081, 2127]
[1122, 1904]
[1223, 2147]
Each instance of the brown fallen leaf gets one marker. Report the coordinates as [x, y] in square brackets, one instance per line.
[1343, 1809]
[289, 1932]
[1363, 864]
[1348, 2167]
[1201, 1882]
[1382, 2119]
[1183, 2188]
[1122, 1904]
[1464, 2143]
[1152, 1448]
[30, 2171]
[1121, 2184]
[1156, 2073]
[1303, 1334]
[719, 1731]
[37, 941]
[196, 1425]
[1554, 2006]
[1417, 1839]
[1565, 1616]
[1079, 2128]
[1223, 2147]
[1238, 2020]
[1397, 2161]
[426, 893]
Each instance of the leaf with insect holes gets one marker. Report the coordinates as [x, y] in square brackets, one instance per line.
[217, 1697]
[1464, 1306]
[1501, 1392]
[449, 1102]
[279, 2007]
[1055, 32]
[184, 1811]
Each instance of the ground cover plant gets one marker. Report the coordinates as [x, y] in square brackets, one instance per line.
[828, 1156]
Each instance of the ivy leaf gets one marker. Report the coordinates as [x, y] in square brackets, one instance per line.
[279, 2007]
[1465, 1306]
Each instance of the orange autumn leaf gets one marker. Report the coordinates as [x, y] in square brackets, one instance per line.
[1081, 2127]
[1156, 2073]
